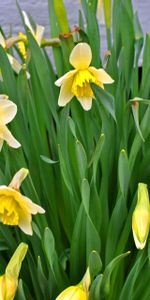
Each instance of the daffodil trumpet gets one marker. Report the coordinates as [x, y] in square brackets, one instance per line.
[77, 82]
[9, 281]
[15, 208]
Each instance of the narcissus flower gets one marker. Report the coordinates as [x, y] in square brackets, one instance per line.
[77, 82]
[9, 281]
[79, 291]
[141, 217]
[15, 208]
[8, 110]
[16, 66]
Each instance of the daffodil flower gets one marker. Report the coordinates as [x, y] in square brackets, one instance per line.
[77, 82]
[79, 291]
[9, 281]
[16, 66]
[15, 208]
[8, 110]
[38, 32]
[141, 217]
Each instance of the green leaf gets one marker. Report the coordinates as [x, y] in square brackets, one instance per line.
[107, 11]
[78, 246]
[123, 172]
[105, 99]
[95, 290]
[129, 286]
[43, 282]
[106, 280]
[51, 254]
[135, 111]
[95, 264]
[96, 154]
[20, 291]
[48, 160]
[81, 159]
[61, 15]
[72, 126]
[8, 75]
[92, 236]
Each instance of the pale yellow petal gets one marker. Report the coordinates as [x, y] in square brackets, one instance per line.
[86, 281]
[27, 22]
[2, 187]
[32, 207]
[86, 102]
[65, 95]
[6, 135]
[14, 63]
[139, 245]
[25, 222]
[8, 110]
[39, 33]
[2, 41]
[101, 75]
[81, 56]
[18, 178]
[69, 74]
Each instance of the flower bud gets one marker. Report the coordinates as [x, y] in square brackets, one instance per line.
[141, 217]
[79, 291]
[9, 280]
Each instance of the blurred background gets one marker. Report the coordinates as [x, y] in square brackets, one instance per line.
[10, 19]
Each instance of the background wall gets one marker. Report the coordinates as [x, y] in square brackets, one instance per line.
[9, 15]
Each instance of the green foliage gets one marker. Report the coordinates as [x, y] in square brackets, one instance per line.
[84, 166]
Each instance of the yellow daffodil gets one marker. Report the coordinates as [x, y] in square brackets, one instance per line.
[77, 82]
[38, 32]
[8, 110]
[15, 208]
[141, 217]
[9, 281]
[79, 291]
